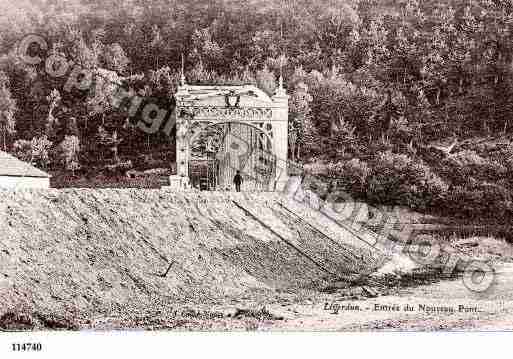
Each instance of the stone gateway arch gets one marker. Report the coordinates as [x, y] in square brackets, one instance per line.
[222, 129]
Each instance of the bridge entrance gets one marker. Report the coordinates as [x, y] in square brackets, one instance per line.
[218, 151]
[222, 129]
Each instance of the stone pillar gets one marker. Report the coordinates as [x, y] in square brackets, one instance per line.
[280, 120]
[181, 179]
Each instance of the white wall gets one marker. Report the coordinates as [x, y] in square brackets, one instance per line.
[12, 182]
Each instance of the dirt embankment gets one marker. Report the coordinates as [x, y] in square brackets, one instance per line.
[86, 253]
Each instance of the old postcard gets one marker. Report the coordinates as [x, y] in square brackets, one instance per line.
[256, 165]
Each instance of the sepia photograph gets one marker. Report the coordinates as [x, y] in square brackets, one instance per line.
[282, 166]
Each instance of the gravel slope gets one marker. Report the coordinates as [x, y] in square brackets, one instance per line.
[83, 253]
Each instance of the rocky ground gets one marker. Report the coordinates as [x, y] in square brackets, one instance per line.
[134, 259]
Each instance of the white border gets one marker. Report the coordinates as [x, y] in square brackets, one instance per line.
[143, 345]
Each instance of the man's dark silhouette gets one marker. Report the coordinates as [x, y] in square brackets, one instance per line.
[238, 181]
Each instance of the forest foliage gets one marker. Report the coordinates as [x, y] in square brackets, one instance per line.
[373, 85]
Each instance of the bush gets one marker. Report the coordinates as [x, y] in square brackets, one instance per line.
[480, 200]
[23, 150]
[351, 175]
[466, 164]
[398, 179]
[506, 157]
[34, 151]
[119, 168]
[316, 168]
[13, 321]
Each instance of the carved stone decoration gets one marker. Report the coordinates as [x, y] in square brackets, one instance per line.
[231, 114]
[199, 107]
[232, 99]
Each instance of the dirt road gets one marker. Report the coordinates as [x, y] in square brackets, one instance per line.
[446, 305]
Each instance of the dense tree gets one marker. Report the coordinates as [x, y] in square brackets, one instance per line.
[266, 80]
[364, 76]
[115, 58]
[70, 148]
[54, 99]
[7, 109]
[299, 111]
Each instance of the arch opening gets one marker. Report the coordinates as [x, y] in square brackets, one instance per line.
[218, 150]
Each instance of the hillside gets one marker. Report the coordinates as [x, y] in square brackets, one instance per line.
[377, 82]
[82, 254]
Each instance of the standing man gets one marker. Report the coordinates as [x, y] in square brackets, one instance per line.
[237, 180]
